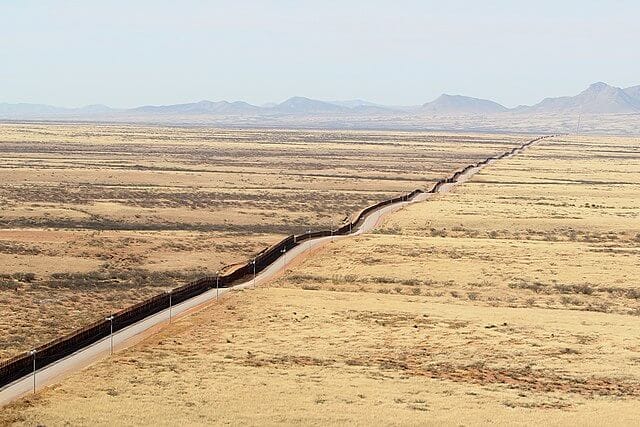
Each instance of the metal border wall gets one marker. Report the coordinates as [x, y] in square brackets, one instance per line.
[22, 365]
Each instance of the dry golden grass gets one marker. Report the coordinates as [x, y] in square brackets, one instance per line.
[509, 301]
[96, 218]
[320, 357]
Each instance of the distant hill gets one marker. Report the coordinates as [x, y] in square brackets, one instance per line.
[28, 110]
[599, 98]
[633, 92]
[354, 103]
[202, 107]
[457, 104]
[94, 109]
[302, 105]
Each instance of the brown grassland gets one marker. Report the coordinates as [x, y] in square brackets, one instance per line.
[513, 300]
[95, 218]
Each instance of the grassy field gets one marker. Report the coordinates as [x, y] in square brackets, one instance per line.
[512, 300]
[96, 218]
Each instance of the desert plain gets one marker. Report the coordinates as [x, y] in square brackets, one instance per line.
[95, 218]
[513, 299]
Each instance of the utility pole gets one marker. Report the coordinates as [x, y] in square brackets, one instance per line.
[170, 303]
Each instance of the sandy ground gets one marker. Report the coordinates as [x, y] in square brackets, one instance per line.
[96, 218]
[512, 300]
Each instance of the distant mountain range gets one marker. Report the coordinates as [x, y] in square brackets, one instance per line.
[458, 104]
[599, 98]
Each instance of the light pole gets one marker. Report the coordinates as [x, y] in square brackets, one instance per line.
[254, 272]
[284, 258]
[33, 353]
[110, 319]
[217, 284]
[170, 291]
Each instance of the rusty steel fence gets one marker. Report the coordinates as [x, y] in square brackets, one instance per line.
[22, 365]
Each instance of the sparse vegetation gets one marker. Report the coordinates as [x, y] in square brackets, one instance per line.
[536, 325]
[95, 218]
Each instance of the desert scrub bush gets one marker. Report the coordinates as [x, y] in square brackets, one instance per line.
[390, 230]
[635, 311]
[434, 232]
[584, 289]
[382, 279]
[127, 278]
[536, 287]
[336, 279]
[483, 284]
[24, 277]
[301, 278]
[567, 300]
[18, 249]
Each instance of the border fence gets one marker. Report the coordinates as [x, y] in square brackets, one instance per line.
[17, 367]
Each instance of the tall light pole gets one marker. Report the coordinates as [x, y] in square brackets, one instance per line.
[254, 272]
[110, 319]
[284, 258]
[217, 284]
[33, 353]
[170, 291]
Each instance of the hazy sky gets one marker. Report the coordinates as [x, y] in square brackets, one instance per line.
[128, 53]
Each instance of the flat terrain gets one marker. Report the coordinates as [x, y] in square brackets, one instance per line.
[96, 218]
[513, 300]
